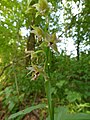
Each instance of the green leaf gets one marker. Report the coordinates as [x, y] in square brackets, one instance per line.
[62, 113]
[28, 2]
[11, 105]
[27, 110]
[61, 83]
[78, 116]
[72, 96]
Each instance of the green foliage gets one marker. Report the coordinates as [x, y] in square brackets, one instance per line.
[65, 80]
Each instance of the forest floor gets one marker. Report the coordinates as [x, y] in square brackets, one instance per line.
[34, 115]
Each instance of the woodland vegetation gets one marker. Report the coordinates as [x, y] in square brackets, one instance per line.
[38, 79]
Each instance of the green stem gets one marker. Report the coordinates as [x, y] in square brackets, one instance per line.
[47, 82]
[49, 98]
[16, 82]
[48, 86]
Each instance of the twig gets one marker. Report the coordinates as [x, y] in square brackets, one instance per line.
[5, 69]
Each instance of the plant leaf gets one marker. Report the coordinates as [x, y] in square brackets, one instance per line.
[62, 113]
[28, 2]
[27, 110]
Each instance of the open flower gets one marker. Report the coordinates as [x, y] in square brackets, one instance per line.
[36, 71]
[38, 32]
[42, 7]
[52, 40]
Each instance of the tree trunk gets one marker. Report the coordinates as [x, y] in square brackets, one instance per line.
[30, 47]
[78, 41]
[78, 49]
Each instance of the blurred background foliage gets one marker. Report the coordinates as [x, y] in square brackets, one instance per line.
[70, 75]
